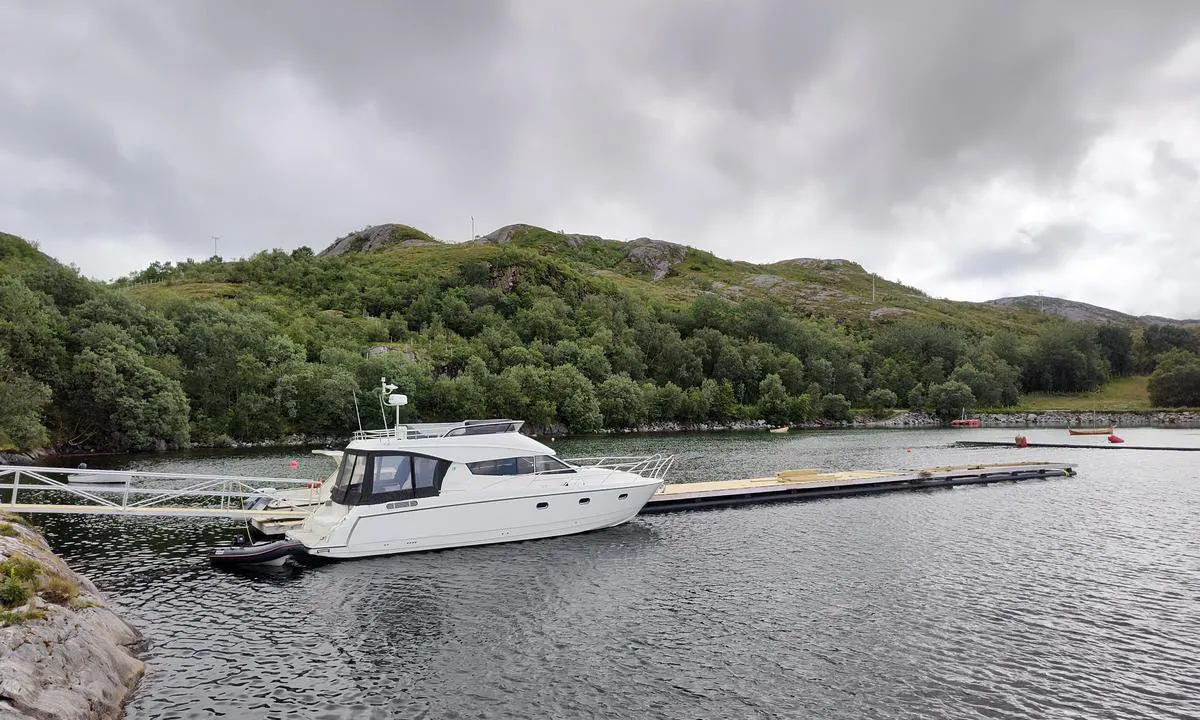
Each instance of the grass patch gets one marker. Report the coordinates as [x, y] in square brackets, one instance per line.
[1126, 393]
[7, 530]
[12, 617]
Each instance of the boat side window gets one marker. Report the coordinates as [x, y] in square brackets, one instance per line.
[403, 476]
[428, 473]
[520, 466]
[392, 473]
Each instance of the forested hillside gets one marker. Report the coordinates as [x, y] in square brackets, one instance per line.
[571, 331]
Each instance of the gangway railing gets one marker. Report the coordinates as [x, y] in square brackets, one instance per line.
[654, 467]
[128, 492]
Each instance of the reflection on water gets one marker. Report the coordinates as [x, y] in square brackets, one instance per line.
[1066, 598]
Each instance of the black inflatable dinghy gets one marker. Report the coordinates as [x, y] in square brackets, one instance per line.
[263, 553]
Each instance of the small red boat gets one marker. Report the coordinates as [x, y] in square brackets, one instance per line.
[965, 423]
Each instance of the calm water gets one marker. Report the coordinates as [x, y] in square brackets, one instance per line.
[1066, 598]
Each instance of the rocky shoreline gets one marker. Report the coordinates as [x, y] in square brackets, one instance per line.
[1052, 418]
[64, 653]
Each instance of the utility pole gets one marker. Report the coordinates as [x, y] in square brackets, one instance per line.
[472, 227]
[872, 288]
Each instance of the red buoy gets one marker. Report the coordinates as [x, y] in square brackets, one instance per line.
[1022, 441]
[1115, 439]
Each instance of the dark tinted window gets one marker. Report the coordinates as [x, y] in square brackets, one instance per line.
[520, 466]
[428, 473]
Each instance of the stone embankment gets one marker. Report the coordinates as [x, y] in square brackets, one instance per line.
[63, 652]
[1052, 418]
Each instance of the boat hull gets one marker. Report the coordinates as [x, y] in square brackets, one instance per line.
[1092, 431]
[438, 523]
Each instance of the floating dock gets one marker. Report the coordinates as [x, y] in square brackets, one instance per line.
[1073, 446]
[812, 484]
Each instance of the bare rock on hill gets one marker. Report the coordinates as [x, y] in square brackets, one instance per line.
[657, 256]
[502, 236]
[885, 314]
[379, 237]
[822, 263]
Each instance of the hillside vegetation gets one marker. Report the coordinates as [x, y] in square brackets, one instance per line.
[574, 332]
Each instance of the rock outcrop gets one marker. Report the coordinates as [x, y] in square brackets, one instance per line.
[657, 256]
[63, 652]
[379, 237]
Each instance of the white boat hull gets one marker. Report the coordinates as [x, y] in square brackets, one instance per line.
[444, 522]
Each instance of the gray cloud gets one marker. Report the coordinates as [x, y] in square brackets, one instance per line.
[760, 129]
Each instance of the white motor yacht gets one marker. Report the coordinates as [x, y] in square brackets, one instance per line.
[442, 485]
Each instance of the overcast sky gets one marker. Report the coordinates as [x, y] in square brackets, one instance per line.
[975, 149]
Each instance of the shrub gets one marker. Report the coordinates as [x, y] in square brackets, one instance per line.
[14, 592]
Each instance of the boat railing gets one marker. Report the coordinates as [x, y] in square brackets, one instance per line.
[128, 492]
[654, 467]
[423, 431]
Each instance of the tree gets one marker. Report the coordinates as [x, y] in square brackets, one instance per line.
[773, 400]
[1065, 358]
[1116, 344]
[881, 399]
[23, 400]
[950, 399]
[121, 404]
[1176, 380]
[719, 398]
[578, 406]
[622, 403]
[835, 407]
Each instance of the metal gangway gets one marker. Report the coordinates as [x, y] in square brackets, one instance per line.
[136, 493]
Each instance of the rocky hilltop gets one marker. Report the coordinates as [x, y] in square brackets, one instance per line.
[1083, 312]
[379, 237]
[64, 653]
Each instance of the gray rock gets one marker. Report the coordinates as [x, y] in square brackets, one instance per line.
[76, 661]
[657, 256]
[378, 237]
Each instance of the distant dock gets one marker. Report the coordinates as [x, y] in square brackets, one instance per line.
[1073, 446]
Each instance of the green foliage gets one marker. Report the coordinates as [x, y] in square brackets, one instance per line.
[881, 399]
[835, 407]
[622, 402]
[557, 330]
[14, 592]
[1065, 358]
[950, 399]
[1176, 380]
[773, 401]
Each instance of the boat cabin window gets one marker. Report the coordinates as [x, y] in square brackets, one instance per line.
[538, 464]
[347, 489]
[380, 477]
[392, 473]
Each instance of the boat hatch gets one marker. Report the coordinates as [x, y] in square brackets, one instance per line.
[370, 478]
